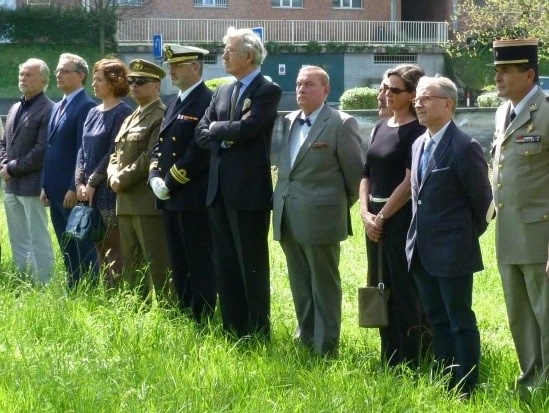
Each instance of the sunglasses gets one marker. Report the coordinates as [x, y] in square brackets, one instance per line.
[139, 81]
[393, 90]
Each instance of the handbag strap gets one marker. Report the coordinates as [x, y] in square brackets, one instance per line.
[380, 283]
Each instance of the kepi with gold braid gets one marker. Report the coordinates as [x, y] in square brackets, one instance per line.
[515, 51]
[176, 53]
[144, 68]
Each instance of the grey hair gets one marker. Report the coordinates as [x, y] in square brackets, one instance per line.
[249, 41]
[43, 68]
[80, 64]
[445, 87]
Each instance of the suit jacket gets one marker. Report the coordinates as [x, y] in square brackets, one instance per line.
[177, 158]
[241, 172]
[323, 183]
[131, 159]
[520, 154]
[23, 148]
[450, 206]
[64, 140]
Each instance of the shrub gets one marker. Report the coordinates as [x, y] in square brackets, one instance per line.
[358, 98]
[489, 100]
[213, 84]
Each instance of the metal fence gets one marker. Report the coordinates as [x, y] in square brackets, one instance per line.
[140, 31]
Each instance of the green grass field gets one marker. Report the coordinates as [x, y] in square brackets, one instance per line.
[98, 351]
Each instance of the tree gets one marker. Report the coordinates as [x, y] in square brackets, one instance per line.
[482, 22]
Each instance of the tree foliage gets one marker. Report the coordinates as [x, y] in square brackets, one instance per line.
[498, 19]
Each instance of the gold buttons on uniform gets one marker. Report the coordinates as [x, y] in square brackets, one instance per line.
[527, 152]
[161, 139]
[500, 205]
[174, 138]
[545, 217]
[498, 186]
[174, 154]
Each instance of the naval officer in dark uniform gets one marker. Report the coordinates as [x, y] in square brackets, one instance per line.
[179, 178]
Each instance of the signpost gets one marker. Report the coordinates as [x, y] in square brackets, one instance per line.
[157, 47]
[260, 32]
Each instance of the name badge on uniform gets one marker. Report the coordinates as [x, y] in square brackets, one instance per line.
[528, 139]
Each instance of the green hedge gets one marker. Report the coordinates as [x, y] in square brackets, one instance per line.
[52, 25]
[358, 98]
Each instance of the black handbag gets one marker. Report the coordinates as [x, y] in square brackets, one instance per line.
[85, 224]
[372, 301]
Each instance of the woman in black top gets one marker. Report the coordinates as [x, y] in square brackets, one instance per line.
[386, 211]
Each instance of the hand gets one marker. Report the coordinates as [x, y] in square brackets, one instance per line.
[373, 231]
[81, 192]
[159, 188]
[43, 198]
[90, 192]
[4, 174]
[115, 184]
[70, 199]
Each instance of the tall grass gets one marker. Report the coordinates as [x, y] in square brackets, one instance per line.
[92, 350]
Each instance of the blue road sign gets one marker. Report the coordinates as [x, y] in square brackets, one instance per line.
[157, 46]
[260, 32]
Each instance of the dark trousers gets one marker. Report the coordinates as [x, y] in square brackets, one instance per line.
[241, 263]
[408, 330]
[456, 339]
[189, 247]
[79, 256]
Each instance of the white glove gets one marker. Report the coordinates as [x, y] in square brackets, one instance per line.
[160, 189]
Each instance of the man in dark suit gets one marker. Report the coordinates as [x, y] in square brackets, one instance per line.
[237, 128]
[142, 236]
[179, 179]
[451, 207]
[319, 172]
[64, 140]
[22, 151]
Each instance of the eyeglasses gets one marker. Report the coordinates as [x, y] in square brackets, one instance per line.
[393, 90]
[422, 99]
[138, 81]
[64, 71]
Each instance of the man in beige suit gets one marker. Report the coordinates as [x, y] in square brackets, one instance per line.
[319, 172]
[142, 236]
[521, 195]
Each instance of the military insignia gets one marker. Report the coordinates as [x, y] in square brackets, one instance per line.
[533, 106]
[180, 175]
[247, 104]
[186, 117]
[530, 128]
[528, 139]
[138, 65]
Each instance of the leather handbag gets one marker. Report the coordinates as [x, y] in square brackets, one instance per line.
[85, 224]
[372, 300]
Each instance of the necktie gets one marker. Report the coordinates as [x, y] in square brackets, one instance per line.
[234, 97]
[304, 121]
[60, 112]
[425, 157]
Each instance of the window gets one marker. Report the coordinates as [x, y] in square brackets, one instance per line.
[129, 3]
[211, 3]
[210, 59]
[287, 3]
[347, 4]
[394, 59]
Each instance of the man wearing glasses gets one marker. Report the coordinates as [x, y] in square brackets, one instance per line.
[142, 236]
[451, 208]
[64, 139]
[179, 178]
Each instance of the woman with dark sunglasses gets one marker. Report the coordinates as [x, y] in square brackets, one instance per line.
[386, 211]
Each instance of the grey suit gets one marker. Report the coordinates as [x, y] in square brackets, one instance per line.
[311, 216]
[521, 193]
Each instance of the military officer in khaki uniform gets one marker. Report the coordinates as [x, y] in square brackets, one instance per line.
[142, 236]
[521, 194]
